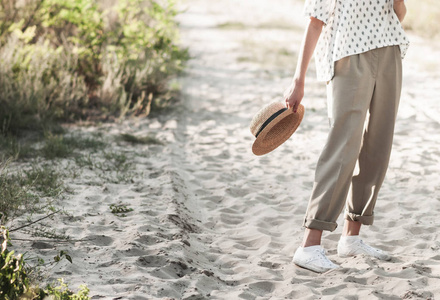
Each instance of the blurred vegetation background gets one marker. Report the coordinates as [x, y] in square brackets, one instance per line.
[64, 60]
[423, 17]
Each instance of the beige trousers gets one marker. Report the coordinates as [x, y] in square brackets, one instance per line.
[363, 99]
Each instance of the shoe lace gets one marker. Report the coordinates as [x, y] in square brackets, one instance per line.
[368, 247]
[322, 256]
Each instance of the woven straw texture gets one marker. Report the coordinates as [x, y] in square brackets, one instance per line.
[263, 114]
[278, 131]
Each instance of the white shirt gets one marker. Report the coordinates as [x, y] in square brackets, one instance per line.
[353, 27]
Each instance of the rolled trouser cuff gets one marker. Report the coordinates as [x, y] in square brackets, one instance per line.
[365, 220]
[320, 225]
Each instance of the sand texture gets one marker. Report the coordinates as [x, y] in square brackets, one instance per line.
[212, 221]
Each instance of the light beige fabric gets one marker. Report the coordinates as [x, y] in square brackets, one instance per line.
[363, 101]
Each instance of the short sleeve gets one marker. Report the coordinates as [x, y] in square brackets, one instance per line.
[319, 9]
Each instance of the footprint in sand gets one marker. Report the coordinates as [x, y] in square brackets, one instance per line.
[269, 265]
[263, 287]
[147, 240]
[151, 261]
[99, 240]
[172, 270]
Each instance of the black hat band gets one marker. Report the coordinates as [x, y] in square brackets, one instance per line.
[272, 117]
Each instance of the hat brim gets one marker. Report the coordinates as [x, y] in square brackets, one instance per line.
[278, 131]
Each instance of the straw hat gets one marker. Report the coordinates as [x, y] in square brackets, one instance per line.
[273, 125]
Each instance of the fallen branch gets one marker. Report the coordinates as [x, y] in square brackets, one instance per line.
[31, 223]
[51, 241]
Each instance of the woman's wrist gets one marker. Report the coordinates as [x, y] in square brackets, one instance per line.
[298, 80]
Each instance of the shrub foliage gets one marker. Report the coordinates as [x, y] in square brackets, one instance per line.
[15, 283]
[69, 59]
[13, 276]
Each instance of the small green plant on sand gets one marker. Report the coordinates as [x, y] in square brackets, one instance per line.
[145, 140]
[120, 209]
[62, 146]
[62, 292]
[115, 161]
[92, 143]
[55, 146]
[14, 196]
[43, 179]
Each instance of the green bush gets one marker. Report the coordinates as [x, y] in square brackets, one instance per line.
[37, 85]
[13, 277]
[15, 282]
[70, 59]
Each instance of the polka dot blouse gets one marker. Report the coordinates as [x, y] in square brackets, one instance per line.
[352, 27]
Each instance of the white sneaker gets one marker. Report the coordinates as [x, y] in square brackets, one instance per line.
[353, 245]
[313, 258]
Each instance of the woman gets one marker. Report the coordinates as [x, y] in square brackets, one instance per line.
[359, 49]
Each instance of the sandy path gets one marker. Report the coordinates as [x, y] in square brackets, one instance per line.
[255, 205]
[213, 221]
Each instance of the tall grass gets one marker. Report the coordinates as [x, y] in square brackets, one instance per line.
[38, 85]
[70, 59]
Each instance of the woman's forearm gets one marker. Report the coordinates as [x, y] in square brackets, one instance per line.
[307, 48]
[295, 93]
[400, 9]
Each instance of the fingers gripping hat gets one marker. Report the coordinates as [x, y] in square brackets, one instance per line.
[273, 125]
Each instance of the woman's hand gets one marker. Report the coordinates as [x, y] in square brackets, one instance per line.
[294, 94]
